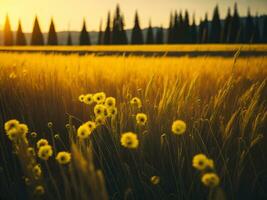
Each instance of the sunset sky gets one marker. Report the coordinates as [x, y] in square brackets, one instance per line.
[71, 12]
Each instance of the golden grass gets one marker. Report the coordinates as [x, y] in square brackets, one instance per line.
[222, 101]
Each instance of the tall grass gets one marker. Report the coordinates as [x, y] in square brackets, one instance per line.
[222, 101]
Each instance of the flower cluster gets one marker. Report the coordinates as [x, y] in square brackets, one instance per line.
[15, 130]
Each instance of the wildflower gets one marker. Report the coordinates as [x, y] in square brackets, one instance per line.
[23, 129]
[100, 120]
[39, 190]
[83, 132]
[210, 180]
[99, 97]
[37, 171]
[13, 134]
[88, 99]
[50, 124]
[41, 142]
[63, 157]
[45, 152]
[99, 109]
[155, 180]
[178, 127]
[112, 111]
[136, 101]
[56, 136]
[129, 140]
[34, 134]
[141, 119]
[110, 102]
[210, 164]
[200, 161]
[31, 151]
[81, 98]
[13, 123]
[91, 125]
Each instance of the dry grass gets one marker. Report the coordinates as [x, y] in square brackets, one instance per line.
[223, 103]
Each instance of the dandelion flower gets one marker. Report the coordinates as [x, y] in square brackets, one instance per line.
[50, 124]
[129, 140]
[136, 102]
[100, 120]
[39, 190]
[83, 132]
[45, 152]
[41, 142]
[178, 127]
[99, 97]
[210, 180]
[88, 99]
[81, 98]
[110, 102]
[200, 161]
[99, 109]
[141, 119]
[13, 134]
[37, 171]
[63, 157]
[91, 125]
[155, 180]
[13, 123]
[23, 129]
[112, 111]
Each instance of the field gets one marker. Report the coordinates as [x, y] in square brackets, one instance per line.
[222, 101]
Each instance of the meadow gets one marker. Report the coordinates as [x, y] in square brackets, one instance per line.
[220, 104]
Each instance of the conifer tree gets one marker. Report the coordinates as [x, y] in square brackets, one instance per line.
[20, 37]
[52, 35]
[107, 33]
[200, 31]
[150, 34]
[8, 35]
[69, 39]
[227, 27]
[215, 32]
[100, 35]
[181, 28]
[205, 33]
[264, 31]
[116, 28]
[187, 36]
[37, 36]
[137, 35]
[193, 31]
[84, 35]
[170, 39]
[175, 28]
[235, 27]
[159, 36]
[256, 32]
[123, 35]
[249, 26]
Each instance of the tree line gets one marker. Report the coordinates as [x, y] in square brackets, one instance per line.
[231, 29]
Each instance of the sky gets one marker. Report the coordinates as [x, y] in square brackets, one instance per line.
[69, 14]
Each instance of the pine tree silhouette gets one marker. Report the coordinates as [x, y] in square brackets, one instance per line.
[123, 35]
[193, 31]
[200, 31]
[37, 36]
[8, 35]
[150, 34]
[52, 35]
[170, 39]
[159, 36]
[227, 27]
[107, 34]
[249, 26]
[100, 35]
[84, 35]
[205, 33]
[137, 35]
[264, 31]
[116, 28]
[187, 36]
[69, 39]
[256, 32]
[235, 27]
[181, 28]
[215, 32]
[175, 29]
[20, 37]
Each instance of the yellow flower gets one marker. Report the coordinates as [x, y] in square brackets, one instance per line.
[13, 123]
[88, 99]
[39, 190]
[200, 161]
[83, 132]
[129, 140]
[91, 125]
[81, 98]
[112, 111]
[210, 164]
[210, 180]
[99, 97]
[41, 142]
[31, 151]
[23, 129]
[63, 157]
[178, 127]
[37, 171]
[110, 102]
[155, 180]
[136, 101]
[34, 134]
[13, 134]
[141, 119]
[99, 109]
[100, 120]
[45, 152]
